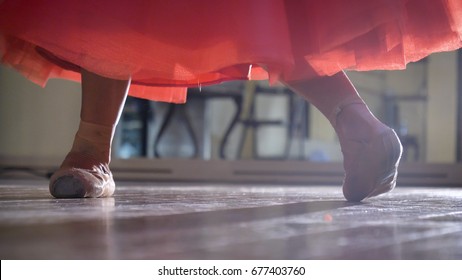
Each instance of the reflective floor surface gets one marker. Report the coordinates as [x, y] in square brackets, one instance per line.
[197, 221]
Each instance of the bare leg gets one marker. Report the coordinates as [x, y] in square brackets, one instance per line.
[85, 172]
[371, 150]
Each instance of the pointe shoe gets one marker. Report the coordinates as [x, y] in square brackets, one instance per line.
[371, 166]
[91, 179]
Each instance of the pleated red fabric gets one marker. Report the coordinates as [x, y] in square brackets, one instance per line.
[167, 46]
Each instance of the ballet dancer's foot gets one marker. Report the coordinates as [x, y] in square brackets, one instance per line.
[85, 170]
[371, 151]
[82, 176]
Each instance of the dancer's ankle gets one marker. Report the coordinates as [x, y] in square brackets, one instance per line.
[94, 141]
[355, 121]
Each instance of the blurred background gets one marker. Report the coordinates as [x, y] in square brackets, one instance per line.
[246, 124]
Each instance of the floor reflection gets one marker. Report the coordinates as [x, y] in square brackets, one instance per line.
[191, 221]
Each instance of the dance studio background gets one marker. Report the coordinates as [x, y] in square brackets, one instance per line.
[422, 103]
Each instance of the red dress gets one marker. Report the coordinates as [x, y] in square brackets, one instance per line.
[166, 46]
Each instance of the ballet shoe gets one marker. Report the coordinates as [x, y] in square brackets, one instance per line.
[371, 165]
[91, 179]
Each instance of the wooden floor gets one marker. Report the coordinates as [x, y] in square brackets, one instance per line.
[197, 221]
